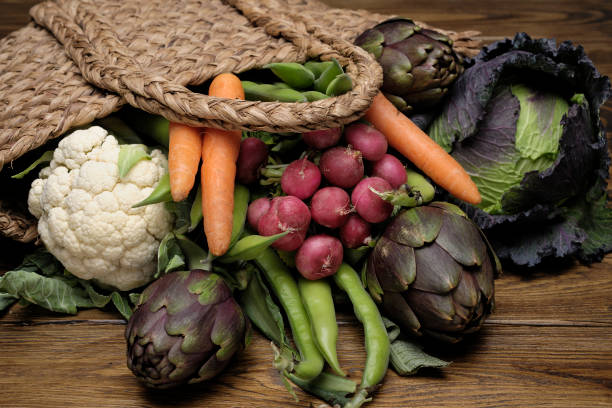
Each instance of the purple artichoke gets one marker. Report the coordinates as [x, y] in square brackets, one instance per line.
[186, 329]
[432, 272]
[418, 64]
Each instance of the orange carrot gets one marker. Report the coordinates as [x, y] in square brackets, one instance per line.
[220, 150]
[184, 155]
[408, 139]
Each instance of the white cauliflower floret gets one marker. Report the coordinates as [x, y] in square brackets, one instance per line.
[85, 214]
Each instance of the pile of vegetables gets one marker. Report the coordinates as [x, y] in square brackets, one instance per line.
[239, 229]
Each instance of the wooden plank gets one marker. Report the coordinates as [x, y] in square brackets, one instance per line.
[507, 365]
[548, 344]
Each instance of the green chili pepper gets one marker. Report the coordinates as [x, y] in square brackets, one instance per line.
[293, 74]
[319, 304]
[287, 292]
[376, 339]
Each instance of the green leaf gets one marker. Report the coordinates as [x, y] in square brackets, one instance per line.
[241, 204]
[354, 255]
[169, 255]
[195, 214]
[134, 298]
[161, 193]
[129, 156]
[263, 312]
[55, 293]
[408, 357]
[6, 300]
[45, 158]
[196, 256]
[99, 300]
[250, 247]
[122, 304]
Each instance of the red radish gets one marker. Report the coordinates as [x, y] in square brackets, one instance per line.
[322, 139]
[369, 141]
[319, 256]
[301, 178]
[355, 232]
[367, 203]
[342, 166]
[391, 169]
[252, 157]
[330, 207]
[286, 213]
[256, 209]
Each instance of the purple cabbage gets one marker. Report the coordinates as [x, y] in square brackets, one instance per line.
[552, 212]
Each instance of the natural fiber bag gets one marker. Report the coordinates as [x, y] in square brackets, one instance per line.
[81, 60]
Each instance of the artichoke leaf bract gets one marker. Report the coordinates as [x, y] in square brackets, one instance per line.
[524, 122]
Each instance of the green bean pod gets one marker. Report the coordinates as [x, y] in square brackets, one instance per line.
[293, 74]
[376, 340]
[331, 72]
[316, 67]
[312, 96]
[270, 93]
[339, 85]
[286, 290]
[418, 182]
[319, 304]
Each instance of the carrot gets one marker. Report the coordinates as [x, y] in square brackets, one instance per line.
[185, 145]
[408, 139]
[220, 150]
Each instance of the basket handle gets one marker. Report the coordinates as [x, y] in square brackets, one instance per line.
[106, 62]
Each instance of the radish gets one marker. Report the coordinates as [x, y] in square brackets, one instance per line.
[322, 139]
[391, 169]
[319, 256]
[330, 207]
[355, 232]
[301, 178]
[369, 141]
[286, 213]
[252, 157]
[256, 209]
[367, 203]
[342, 166]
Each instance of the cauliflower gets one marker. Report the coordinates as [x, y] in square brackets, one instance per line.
[85, 214]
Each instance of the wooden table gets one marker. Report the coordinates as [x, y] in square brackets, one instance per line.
[549, 343]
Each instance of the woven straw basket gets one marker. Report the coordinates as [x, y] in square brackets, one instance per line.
[81, 60]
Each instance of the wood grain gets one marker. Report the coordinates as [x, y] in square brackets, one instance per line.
[548, 344]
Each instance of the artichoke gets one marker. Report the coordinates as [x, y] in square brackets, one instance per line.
[418, 64]
[186, 328]
[432, 272]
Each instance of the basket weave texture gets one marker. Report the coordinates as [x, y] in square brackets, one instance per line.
[80, 60]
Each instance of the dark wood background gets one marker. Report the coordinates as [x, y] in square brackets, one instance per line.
[549, 343]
